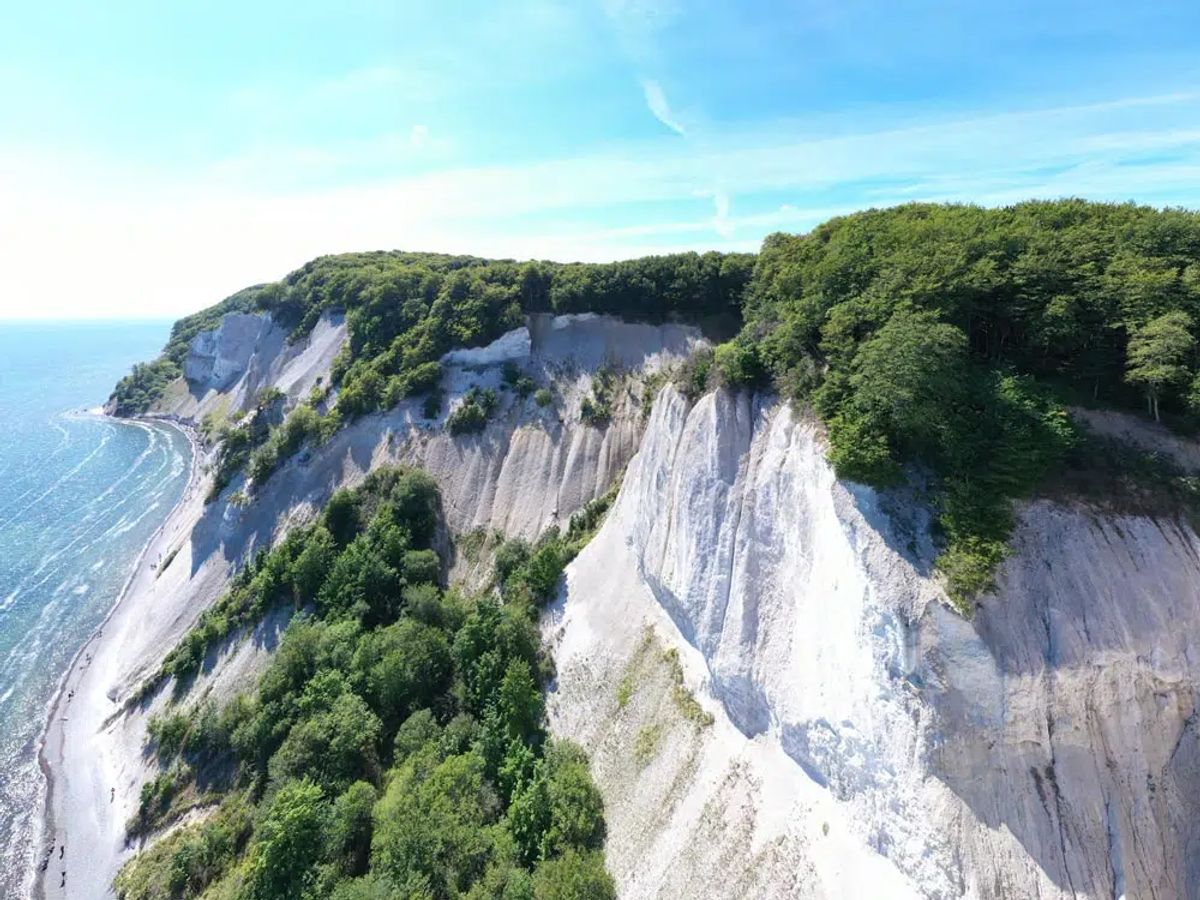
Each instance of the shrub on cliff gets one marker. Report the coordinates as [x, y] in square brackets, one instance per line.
[473, 413]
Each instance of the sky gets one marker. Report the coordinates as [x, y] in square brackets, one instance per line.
[156, 157]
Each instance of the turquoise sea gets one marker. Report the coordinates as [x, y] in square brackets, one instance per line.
[80, 494]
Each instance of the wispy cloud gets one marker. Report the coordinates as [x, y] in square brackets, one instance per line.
[128, 237]
[656, 102]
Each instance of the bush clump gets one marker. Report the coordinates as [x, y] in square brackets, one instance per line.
[473, 413]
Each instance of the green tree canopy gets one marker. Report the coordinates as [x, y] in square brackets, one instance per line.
[1160, 353]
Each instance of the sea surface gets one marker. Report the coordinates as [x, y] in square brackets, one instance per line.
[80, 495]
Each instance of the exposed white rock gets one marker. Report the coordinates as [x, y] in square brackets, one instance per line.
[217, 358]
[227, 367]
[868, 741]
[1150, 437]
[865, 740]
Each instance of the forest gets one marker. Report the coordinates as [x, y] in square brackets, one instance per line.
[953, 339]
[940, 344]
[405, 310]
[395, 747]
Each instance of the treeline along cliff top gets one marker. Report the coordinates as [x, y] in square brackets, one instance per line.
[942, 340]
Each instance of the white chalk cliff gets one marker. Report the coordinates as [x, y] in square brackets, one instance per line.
[866, 740]
[825, 725]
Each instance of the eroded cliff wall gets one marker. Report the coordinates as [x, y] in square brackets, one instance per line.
[530, 468]
[776, 700]
[866, 741]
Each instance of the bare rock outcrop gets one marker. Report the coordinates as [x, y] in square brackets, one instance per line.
[866, 740]
[776, 700]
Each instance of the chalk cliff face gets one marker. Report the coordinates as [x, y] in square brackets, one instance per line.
[866, 741]
[532, 467]
[219, 356]
[226, 368]
[776, 700]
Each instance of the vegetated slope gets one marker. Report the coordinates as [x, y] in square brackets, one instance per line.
[533, 463]
[952, 335]
[948, 337]
[405, 310]
[394, 746]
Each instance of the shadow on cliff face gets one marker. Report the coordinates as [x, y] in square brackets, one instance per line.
[1079, 584]
[264, 637]
[1068, 707]
[1098, 817]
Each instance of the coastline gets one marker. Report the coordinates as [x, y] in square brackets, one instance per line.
[45, 827]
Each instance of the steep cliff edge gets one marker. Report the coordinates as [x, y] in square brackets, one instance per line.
[866, 740]
[531, 467]
[758, 658]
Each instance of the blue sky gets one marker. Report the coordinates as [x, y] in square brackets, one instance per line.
[155, 156]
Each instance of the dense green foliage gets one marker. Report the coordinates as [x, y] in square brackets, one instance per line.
[596, 409]
[946, 334]
[395, 746]
[947, 338]
[472, 414]
[239, 440]
[405, 310]
[302, 425]
[140, 388]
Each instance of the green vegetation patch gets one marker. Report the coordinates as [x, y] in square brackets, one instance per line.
[944, 336]
[472, 414]
[685, 701]
[394, 747]
[597, 408]
[645, 745]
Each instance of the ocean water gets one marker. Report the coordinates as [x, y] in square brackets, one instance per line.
[80, 494]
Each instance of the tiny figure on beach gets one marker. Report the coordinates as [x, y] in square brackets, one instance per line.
[62, 850]
[112, 795]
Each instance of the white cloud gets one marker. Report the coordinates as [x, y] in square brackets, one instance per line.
[721, 223]
[656, 102]
[77, 239]
[418, 137]
[641, 18]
